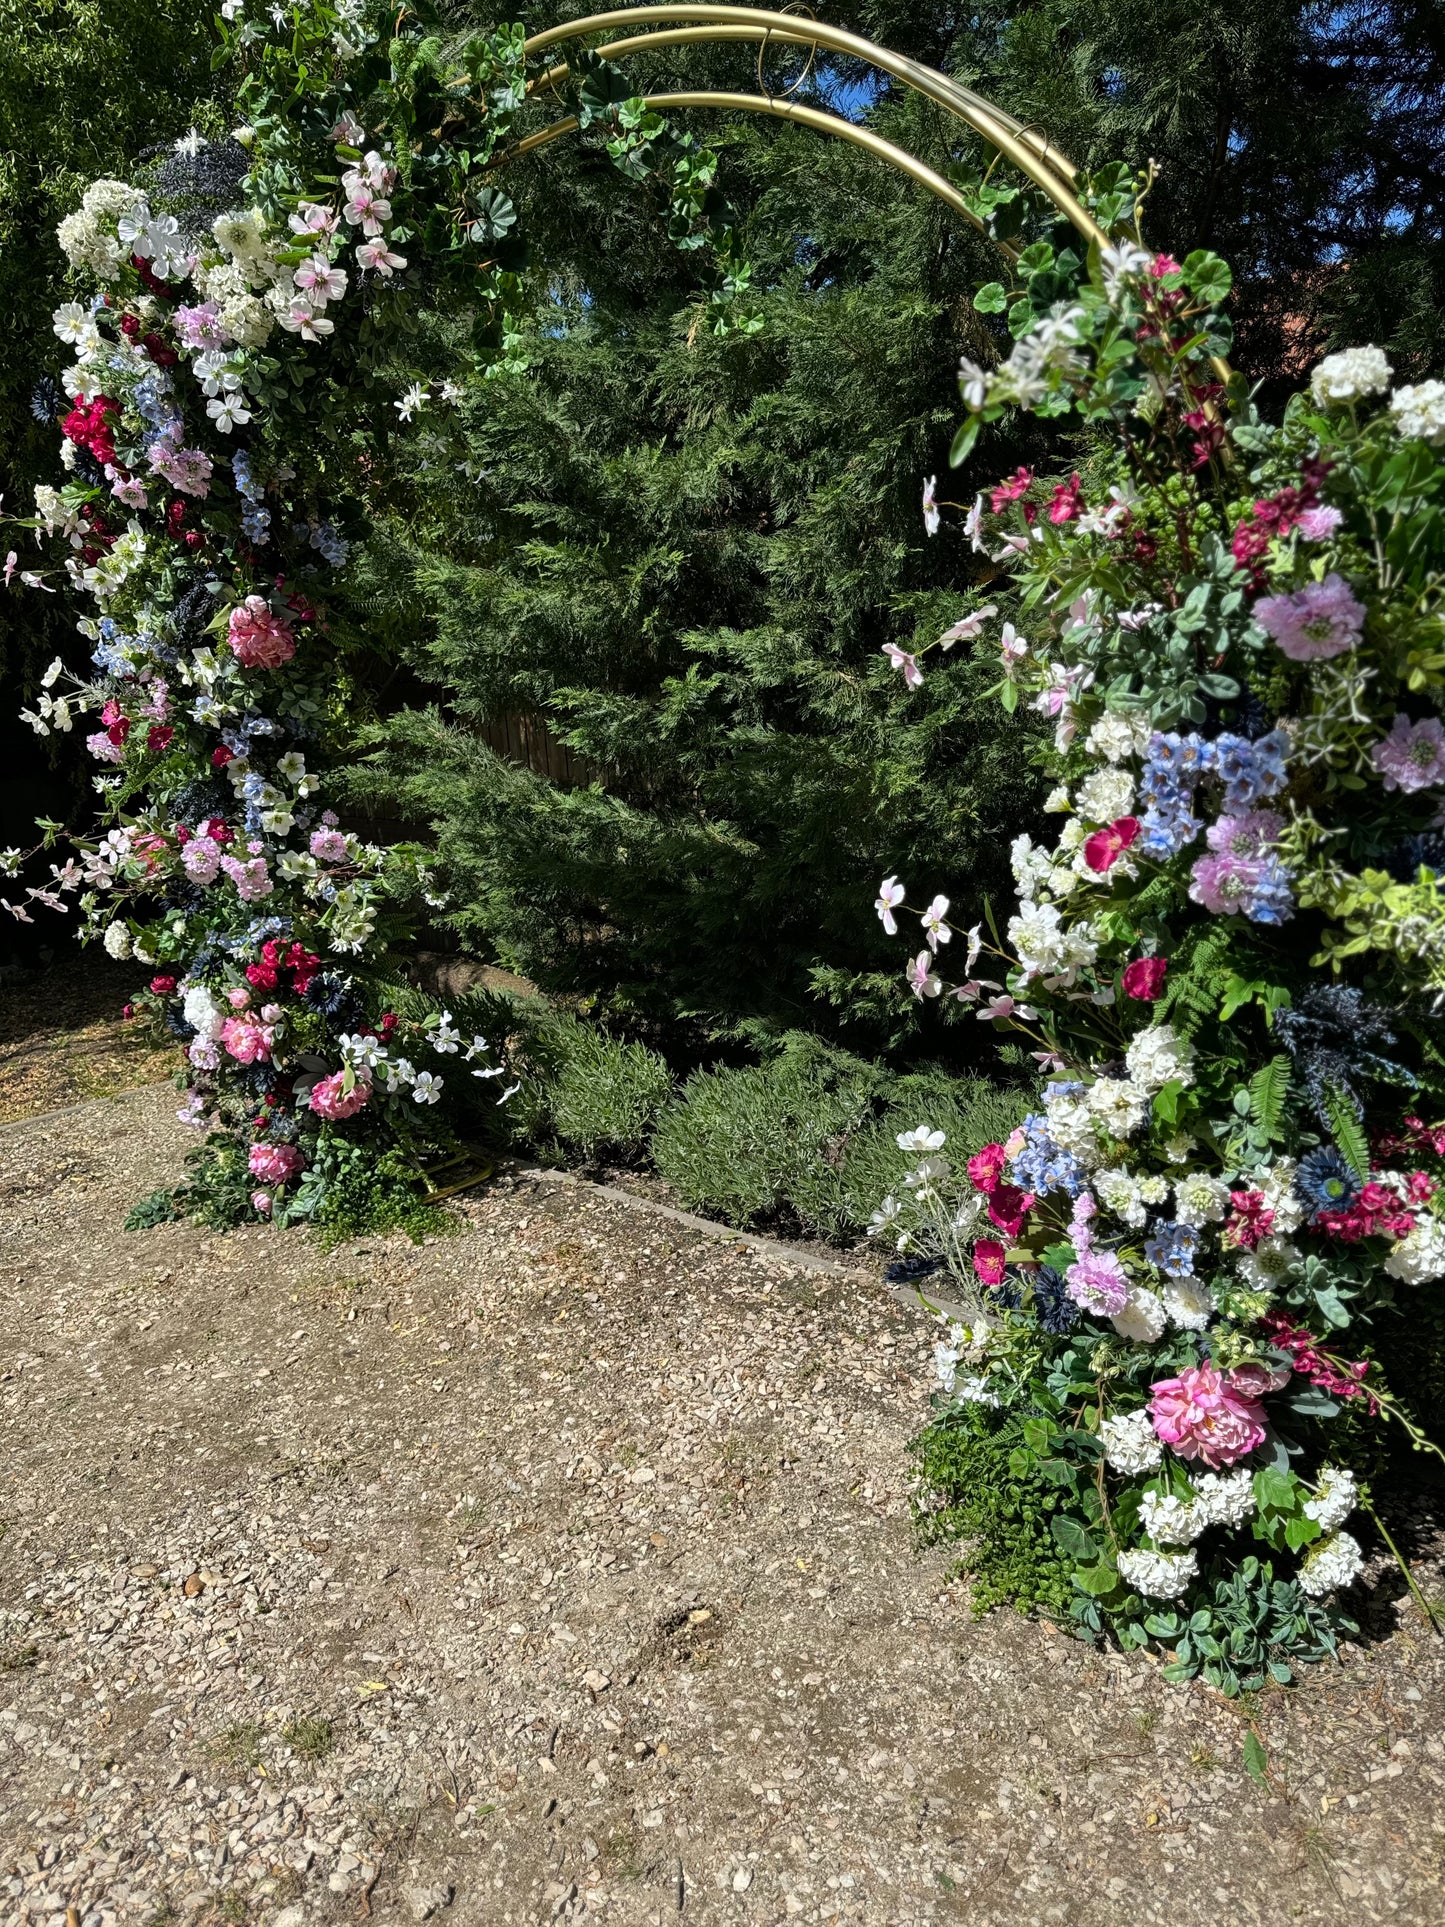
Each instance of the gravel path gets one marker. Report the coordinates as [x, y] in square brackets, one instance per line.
[562, 1570]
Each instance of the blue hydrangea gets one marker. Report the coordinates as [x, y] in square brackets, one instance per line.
[1164, 832]
[1271, 900]
[1042, 1165]
[1172, 1247]
[1187, 757]
[1251, 771]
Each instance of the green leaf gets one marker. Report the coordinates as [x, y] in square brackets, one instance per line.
[992, 298]
[1268, 1089]
[1207, 277]
[1256, 1760]
[1071, 1538]
[1222, 688]
[964, 440]
[1346, 1130]
[1098, 1581]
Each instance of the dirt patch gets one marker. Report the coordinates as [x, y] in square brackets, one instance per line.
[563, 1570]
[63, 1038]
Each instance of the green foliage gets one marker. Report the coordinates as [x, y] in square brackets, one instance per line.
[594, 1092]
[1254, 1629]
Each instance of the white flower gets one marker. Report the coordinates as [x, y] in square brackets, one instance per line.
[1105, 796]
[1419, 412]
[1276, 1181]
[1045, 945]
[1225, 1499]
[1071, 1126]
[364, 1051]
[1170, 1521]
[1336, 1497]
[882, 1218]
[1200, 1199]
[415, 397]
[974, 1390]
[1161, 1575]
[1143, 1319]
[1121, 262]
[1332, 1563]
[890, 895]
[934, 927]
[1130, 1445]
[1116, 737]
[1057, 800]
[117, 940]
[1188, 1303]
[1032, 867]
[1269, 1264]
[1159, 1056]
[228, 411]
[1350, 376]
[1420, 1257]
[1118, 1191]
[1119, 1105]
[445, 1038]
[426, 1089]
[921, 1140]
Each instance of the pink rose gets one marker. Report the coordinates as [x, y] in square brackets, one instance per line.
[261, 1201]
[1203, 1416]
[1254, 1378]
[238, 997]
[259, 639]
[246, 1040]
[274, 1163]
[328, 1099]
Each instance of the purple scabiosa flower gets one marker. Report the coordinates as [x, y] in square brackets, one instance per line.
[1412, 756]
[1245, 835]
[1320, 620]
[1098, 1283]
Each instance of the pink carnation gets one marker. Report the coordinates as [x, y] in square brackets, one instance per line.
[1412, 756]
[1098, 1283]
[259, 639]
[273, 1163]
[330, 1099]
[1202, 1416]
[252, 880]
[1320, 620]
[247, 1041]
[201, 858]
[328, 845]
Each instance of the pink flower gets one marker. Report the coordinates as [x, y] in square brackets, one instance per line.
[329, 1100]
[317, 278]
[376, 254]
[1412, 756]
[1254, 1378]
[201, 858]
[1202, 1416]
[248, 1042]
[1224, 883]
[130, 491]
[1104, 848]
[259, 639]
[200, 327]
[273, 1163]
[239, 998]
[261, 1202]
[921, 976]
[1320, 620]
[900, 659]
[1144, 978]
[988, 1261]
[252, 879]
[1098, 1283]
[986, 1167]
[103, 749]
[1067, 501]
[329, 846]
[186, 469]
[1246, 835]
[1317, 525]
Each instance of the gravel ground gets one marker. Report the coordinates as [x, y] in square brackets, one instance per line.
[562, 1570]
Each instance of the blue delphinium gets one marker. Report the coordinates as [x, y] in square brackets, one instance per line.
[1172, 1248]
[1042, 1165]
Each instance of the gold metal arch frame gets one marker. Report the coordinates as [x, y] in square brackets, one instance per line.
[1025, 148]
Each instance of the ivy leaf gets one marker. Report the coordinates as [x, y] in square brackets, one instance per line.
[991, 298]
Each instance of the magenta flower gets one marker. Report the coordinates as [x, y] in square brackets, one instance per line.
[1098, 1283]
[1320, 620]
[1412, 756]
[988, 1261]
[1202, 1416]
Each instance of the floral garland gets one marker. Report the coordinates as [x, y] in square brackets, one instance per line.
[1228, 968]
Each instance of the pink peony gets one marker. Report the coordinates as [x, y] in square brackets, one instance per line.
[246, 1040]
[259, 639]
[985, 1167]
[1320, 620]
[1144, 978]
[238, 997]
[988, 1261]
[329, 1098]
[1098, 1283]
[1201, 1415]
[1412, 756]
[201, 858]
[273, 1163]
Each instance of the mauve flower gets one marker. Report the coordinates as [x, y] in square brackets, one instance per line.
[1320, 620]
[1224, 884]
[1246, 835]
[988, 1261]
[330, 1100]
[1202, 1416]
[273, 1163]
[1098, 1283]
[1255, 1377]
[258, 638]
[1317, 525]
[1144, 978]
[1412, 756]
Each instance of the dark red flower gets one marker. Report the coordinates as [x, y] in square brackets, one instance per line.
[163, 986]
[158, 737]
[1144, 978]
[220, 756]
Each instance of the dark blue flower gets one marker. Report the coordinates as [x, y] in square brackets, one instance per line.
[1324, 1182]
[1053, 1307]
[903, 1271]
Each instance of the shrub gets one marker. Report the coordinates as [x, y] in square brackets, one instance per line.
[604, 1093]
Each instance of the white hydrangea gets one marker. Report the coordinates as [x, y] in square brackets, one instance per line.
[1046, 946]
[1189, 1303]
[1071, 1126]
[1160, 1575]
[1143, 1319]
[1170, 1521]
[246, 319]
[1118, 1191]
[1130, 1445]
[1330, 1564]
[1200, 1199]
[1336, 1497]
[202, 1012]
[1032, 866]
[1115, 738]
[1158, 1056]
[244, 238]
[1269, 1264]
[1420, 1257]
[1350, 376]
[1118, 1104]
[89, 235]
[1419, 412]
[117, 941]
[1276, 1181]
[1224, 1499]
[1107, 794]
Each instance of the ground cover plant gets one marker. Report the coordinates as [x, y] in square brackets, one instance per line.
[1227, 965]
